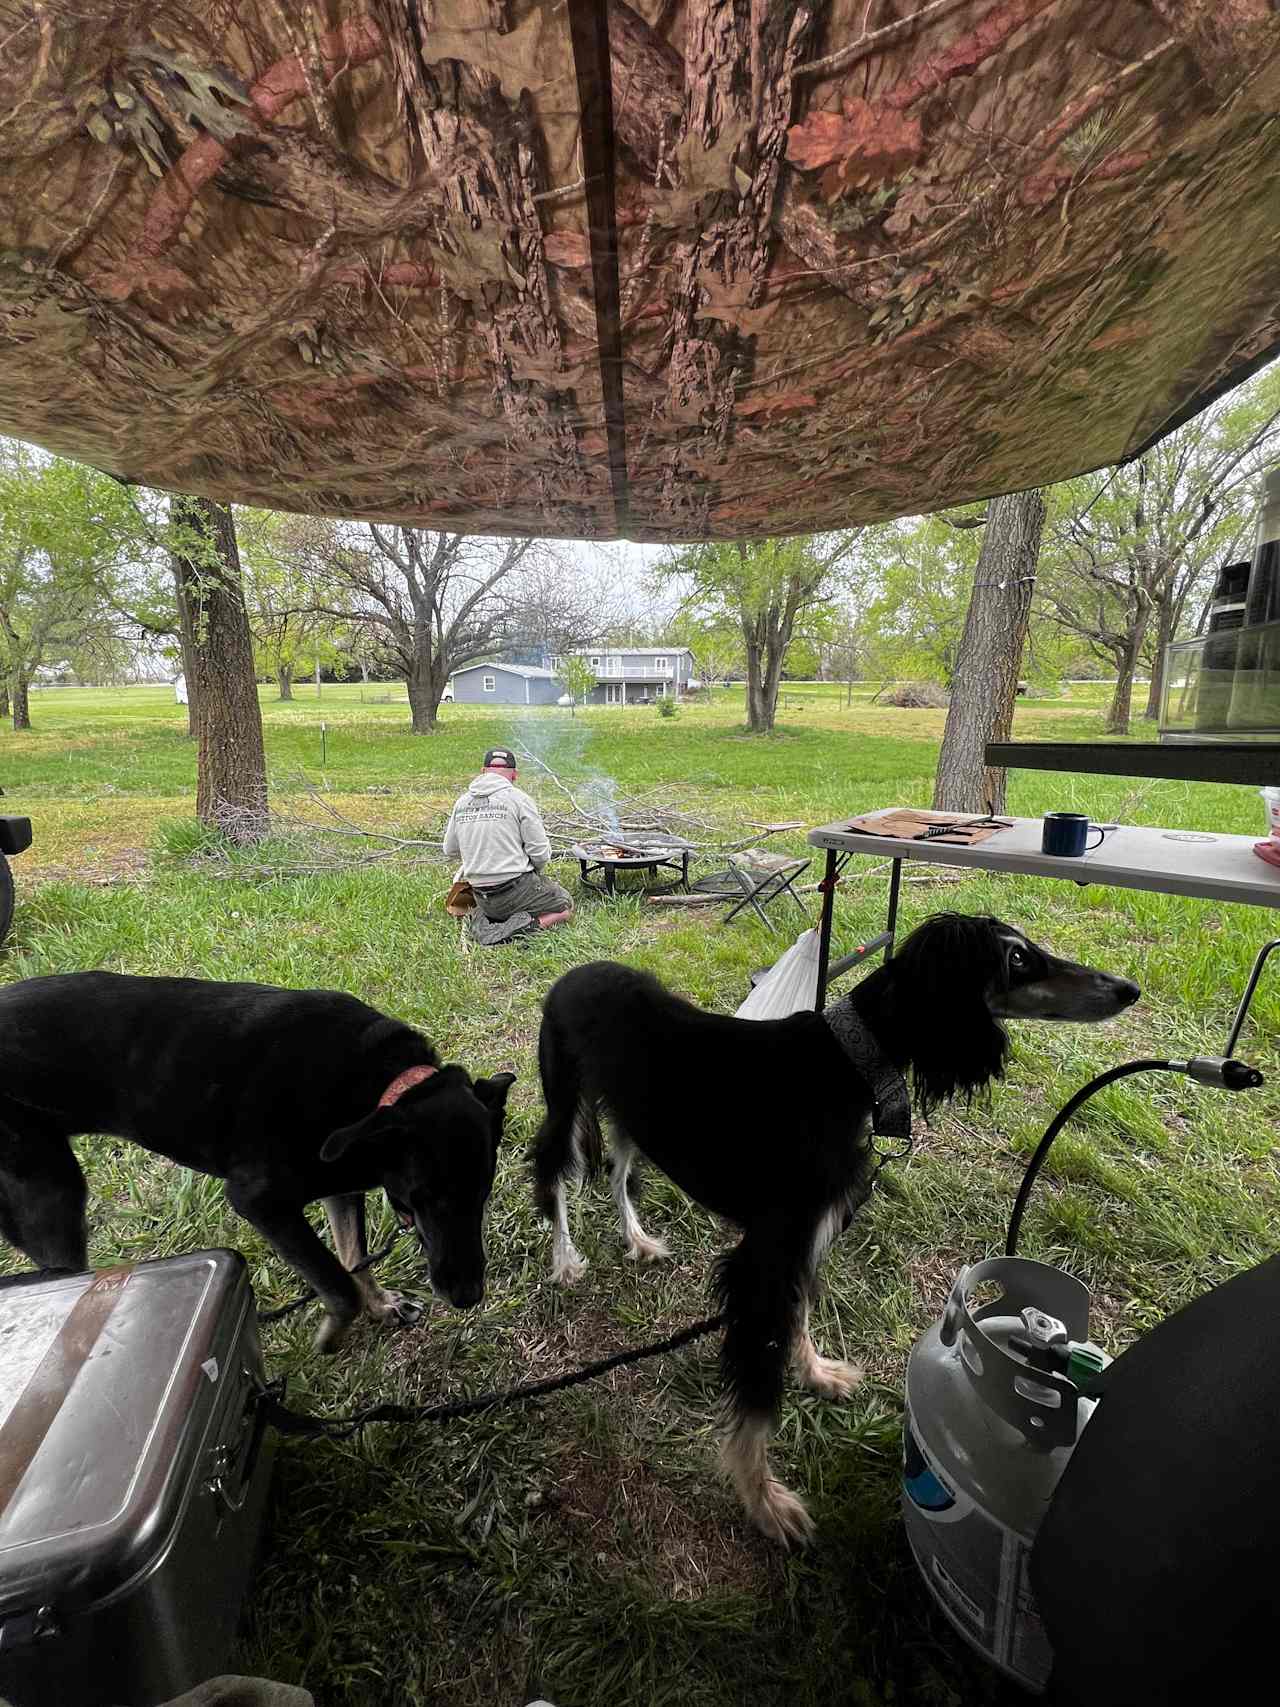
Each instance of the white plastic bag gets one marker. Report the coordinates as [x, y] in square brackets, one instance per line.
[791, 984]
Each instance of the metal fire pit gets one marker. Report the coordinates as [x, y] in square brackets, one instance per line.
[602, 861]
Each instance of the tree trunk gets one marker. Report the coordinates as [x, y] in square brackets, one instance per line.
[186, 642]
[774, 655]
[1121, 701]
[284, 675]
[424, 698]
[984, 687]
[4, 699]
[759, 711]
[21, 705]
[231, 774]
[1164, 634]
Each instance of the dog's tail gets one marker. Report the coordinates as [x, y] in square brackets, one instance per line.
[588, 1138]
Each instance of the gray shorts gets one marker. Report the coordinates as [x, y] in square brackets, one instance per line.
[512, 909]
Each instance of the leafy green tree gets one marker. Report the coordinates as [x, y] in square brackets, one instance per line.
[279, 555]
[803, 660]
[717, 654]
[763, 587]
[68, 538]
[1129, 555]
[922, 569]
[578, 678]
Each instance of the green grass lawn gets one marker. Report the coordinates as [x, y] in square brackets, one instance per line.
[586, 1549]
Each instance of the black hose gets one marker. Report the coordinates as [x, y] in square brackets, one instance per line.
[1059, 1120]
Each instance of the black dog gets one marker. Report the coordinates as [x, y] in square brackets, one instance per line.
[768, 1124]
[287, 1095]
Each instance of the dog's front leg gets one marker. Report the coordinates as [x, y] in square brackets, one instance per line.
[347, 1222]
[289, 1233]
[761, 1287]
[829, 1376]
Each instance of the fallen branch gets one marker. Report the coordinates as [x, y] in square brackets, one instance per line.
[707, 899]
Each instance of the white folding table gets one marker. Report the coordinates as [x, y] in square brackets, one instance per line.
[1211, 867]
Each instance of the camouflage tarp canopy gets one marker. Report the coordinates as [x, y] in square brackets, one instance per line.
[662, 269]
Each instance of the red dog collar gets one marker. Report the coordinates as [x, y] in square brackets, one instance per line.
[404, 1082]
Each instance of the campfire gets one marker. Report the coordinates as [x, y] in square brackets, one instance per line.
[628, 850]
[632, 848]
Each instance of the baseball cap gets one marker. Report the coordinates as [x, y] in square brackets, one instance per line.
[500, 758]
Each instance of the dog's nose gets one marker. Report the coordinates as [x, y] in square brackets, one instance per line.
[1127, 991]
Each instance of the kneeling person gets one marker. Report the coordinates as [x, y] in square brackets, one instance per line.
[496, 832]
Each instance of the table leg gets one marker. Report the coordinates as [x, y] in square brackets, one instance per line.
[891, 924]
[824, 929]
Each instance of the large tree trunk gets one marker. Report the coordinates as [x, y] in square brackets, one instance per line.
[4, 699]
[424, 696]
[1164, 634]
[231, 785]
[775, 653]
[984, 687]
[759, 721]
[21, 705]
[284, 675]
[186, 642]
[1121, 701]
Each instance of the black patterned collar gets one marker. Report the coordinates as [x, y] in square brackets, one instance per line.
[891, 1112]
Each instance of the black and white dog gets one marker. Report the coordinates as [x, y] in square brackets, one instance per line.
[768, 1124]
[287, 1095]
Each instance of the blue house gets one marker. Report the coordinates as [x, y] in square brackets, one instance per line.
[504, 684]
[637, 675]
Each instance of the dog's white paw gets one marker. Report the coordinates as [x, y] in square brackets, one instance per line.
[393, 1308]
[831, 1378]
[568, 1267]
[781, 1515]
[643, 1247]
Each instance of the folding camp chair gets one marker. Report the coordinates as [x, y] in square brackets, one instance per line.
[764, 878]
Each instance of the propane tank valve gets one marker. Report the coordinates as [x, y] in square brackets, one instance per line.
[1042, 1328]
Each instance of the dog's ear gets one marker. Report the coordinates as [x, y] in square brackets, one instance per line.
[949, 955]
[493, 1092]
[339, 1142]
[945, 968]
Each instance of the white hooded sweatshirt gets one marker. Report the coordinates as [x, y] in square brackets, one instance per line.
[496, 832]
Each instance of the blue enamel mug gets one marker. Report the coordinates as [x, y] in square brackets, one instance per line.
[1066, 834]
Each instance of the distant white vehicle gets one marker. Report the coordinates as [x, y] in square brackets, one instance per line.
[180, 690]
[446, 698]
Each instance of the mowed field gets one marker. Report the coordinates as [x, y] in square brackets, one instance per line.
[585, 1548]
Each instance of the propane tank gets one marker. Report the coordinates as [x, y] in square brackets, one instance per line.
[993, 1413]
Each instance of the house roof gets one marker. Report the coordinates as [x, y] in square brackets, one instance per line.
[533, 670]
[322, 259]
[630, 652]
